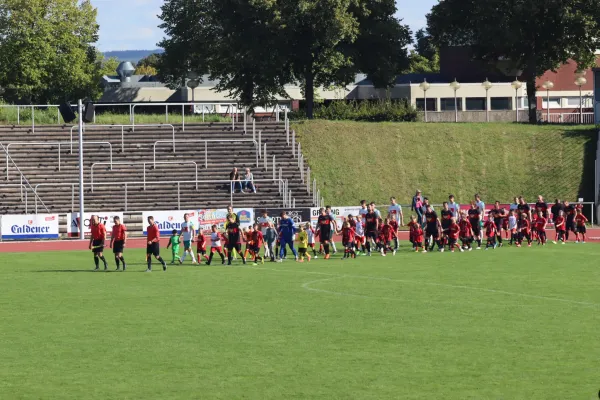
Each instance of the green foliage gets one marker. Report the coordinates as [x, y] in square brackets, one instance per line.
[369, 111]
[421, 64]
[255, 48]
[532, 35]
[503, 324]
[46, 50]
[145, 70]
[149, 61]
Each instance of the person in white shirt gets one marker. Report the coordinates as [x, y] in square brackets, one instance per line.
[395, 209]
[512, 225]
[480, 205]
[311, 238]
[215, 245]
[515, 205]
[248, 181]
[360, 233]
[188, 232]
[334, 227]
[264, 222]
[375, 210]
[363, 208]
[453, 206]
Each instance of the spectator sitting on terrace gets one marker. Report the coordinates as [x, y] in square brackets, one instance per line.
[249, 181]
[234, 177]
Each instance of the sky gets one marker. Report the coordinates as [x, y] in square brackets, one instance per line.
[133, 24]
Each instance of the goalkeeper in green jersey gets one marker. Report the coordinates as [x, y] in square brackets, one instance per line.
[174, 242]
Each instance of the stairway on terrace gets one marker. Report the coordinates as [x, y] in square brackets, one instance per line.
[169, 184]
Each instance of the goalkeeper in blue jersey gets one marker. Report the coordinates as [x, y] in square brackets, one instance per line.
[286, 235]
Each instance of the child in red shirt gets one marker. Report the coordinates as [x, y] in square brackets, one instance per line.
[580, 221]
[453, 232]
[387, 234]
[466, 231]
[201, 245]
[394, 225]
[416, 234]
[490, 233]
[348, 240]
[524, 230]
[560, 226]
[540, 227]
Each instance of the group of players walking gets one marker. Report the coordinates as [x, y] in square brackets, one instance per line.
[363, 233]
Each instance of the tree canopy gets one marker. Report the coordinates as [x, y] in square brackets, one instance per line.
[533, 35]
[46, 50]
[254, 48]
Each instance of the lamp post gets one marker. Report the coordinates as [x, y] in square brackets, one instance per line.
[455, 86]
[516, 85]
[424, 86]
[580, 81]
[548, 85]
[487, 85]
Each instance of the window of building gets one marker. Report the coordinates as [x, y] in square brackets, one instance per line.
[574, 101]
[554, 102]
[447, 104]
[431, 104]
[523, 103]
[475, 103]
[500, 103]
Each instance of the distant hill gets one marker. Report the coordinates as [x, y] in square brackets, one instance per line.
[131, 55]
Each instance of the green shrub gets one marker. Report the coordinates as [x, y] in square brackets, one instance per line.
[369, 111]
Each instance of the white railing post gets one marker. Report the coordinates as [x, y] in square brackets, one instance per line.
[301, 169]
[18, 115]
[287, 136]
[287, 121]
[299, 150]
[294, 202]
[125, 196]
[260, 140]
[183, 118]
[314, 190]
[274, 172]
[265, 157]
[294, 144]
[32, 120]
[308, 180]
[253, 129]
[245, 118]
[178, 196]
[276, 113]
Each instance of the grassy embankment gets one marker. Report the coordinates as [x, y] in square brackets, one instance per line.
[353, 161]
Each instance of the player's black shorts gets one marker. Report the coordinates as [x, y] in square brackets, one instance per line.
[431, 231]
[371, 235]
[445, 224]
[581, 229]
[499, 223]
[570, 225]
[118, 246]
[97, 246]
[254, 249]
[236, 246]
[476, 228]
[153, 249]
[325, 235]
[452, 241]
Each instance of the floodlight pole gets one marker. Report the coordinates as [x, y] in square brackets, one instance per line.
[81, 203]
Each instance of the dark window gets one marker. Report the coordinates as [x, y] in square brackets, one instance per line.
[431, 104]
[475, 103]
[501, 103]
[447, 104]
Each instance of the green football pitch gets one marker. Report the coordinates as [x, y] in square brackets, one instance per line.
[499, 324]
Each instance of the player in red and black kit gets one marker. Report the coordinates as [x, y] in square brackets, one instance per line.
[324, 223]
[453, 232]
[394, 224]
[524, 229]
[466, 231]
[117, 241]
[560, 226]
[387, 235]
[500, 218]
[541, 205]
[570, 211]
[416, 234]
[475, 220]
[580, 221]
[371, 228]
[97, 240]
[257, 242]
[432, 229]
[446, 215]
[523, 207]
[234, 239]
[348, 239]
[153, 246]
[540, 227]
[201, 245]
[491, 231]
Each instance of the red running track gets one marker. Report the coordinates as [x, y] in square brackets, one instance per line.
[593, 235]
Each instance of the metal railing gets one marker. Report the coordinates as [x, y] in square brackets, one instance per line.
[234, 110]
[33, 107]
[23, 179]
[122, 132]
[569, 118]
[144, 163]
[50, 144]
[126, 186]
[206, 141]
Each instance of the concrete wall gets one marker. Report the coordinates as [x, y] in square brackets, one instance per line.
[475, 116]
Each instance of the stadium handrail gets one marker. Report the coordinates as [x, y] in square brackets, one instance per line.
[235, 110]
[206, 141]
[287, 202]
[51, 144]
[33, 106]
[122, 131]
[133, 163]
[23, 178]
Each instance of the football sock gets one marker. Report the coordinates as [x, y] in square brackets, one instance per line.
[149, 263]
[103, 260]
[159, 258]
[326, 247]
[96, 261]
[117, 261]
[123, 261]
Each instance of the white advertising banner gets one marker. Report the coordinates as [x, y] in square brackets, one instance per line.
[341, 213]
[207, 218]
[106, 218]
[25, 227]
[168, 220]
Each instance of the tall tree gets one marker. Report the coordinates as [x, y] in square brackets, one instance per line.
[254, 48]
[535, 35]
[149, 61]
[46, 50]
